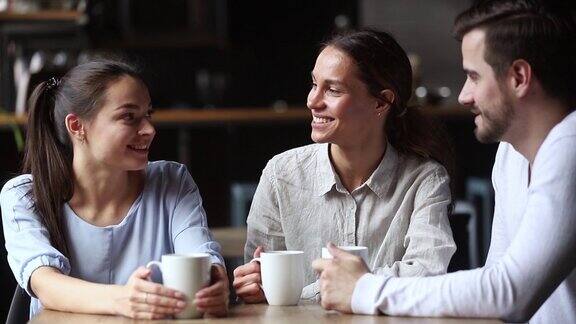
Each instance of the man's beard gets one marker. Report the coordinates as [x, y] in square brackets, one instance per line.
[495, 123]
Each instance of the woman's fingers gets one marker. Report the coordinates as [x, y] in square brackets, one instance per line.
[247, 280]
[249, 290]
[215, 310]
[148, 315]
[158, 289]
[211, 301]
[155, 309]
[248, 268]
[258, 297]
[141, 273]
[213, 290]
[257, 252]
[159, 300]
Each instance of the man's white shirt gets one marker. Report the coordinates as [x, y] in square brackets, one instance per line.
[531, 264]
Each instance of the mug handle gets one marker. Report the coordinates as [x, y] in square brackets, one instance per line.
[259, 261]
[154, 263]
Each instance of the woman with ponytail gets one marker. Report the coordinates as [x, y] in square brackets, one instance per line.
[377, 176]
[90, 209]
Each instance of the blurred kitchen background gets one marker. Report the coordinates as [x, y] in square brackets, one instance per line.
[242, 69]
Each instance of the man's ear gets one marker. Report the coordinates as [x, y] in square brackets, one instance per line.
[75, 127]
[385, 102]
[520, 77]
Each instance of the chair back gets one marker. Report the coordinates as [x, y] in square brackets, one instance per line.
[19, 308]
[464, 223]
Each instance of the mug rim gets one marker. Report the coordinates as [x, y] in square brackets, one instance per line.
[349, 247]
[197, 255]
[279, 252]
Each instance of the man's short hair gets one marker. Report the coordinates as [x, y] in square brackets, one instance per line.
[541, 32]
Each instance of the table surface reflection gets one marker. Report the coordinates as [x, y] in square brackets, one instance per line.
[260, 313]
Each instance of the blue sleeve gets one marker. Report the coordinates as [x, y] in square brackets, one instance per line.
[27, 240]
[190, 233]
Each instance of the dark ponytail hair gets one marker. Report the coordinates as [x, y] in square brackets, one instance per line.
[48, 152]
[383, 64]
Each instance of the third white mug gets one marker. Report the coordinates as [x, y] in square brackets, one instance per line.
[360, 251]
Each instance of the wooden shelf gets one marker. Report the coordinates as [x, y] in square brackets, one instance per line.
[10, 119]
[228, 115]
[191, 117]
[41, 16]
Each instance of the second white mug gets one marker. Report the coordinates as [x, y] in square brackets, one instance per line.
[282, 275]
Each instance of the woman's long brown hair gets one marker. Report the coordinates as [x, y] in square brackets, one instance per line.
[48, 152]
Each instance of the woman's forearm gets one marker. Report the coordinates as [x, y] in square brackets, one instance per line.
[64, 293]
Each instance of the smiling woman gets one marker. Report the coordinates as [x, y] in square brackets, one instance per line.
[374, 177]
[91, 209]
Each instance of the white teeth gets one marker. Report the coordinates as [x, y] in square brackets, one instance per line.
[320, 120]
[139, 147]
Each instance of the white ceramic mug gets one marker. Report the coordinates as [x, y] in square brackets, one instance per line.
[282, 275]
[360, 251]
[187, 273]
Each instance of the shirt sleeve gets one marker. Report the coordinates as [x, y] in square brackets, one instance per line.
[428, 241]
[264, 224]
[190, 231]
[27, 240]
[513, 287]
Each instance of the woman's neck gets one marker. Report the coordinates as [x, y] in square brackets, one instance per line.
[102, 196]
[355, 164]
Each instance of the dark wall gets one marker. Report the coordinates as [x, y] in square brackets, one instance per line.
[266, 55]
[9, 167]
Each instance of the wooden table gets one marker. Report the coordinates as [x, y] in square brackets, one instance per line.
[301, 314]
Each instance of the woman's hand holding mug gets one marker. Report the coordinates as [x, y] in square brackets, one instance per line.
[248, 281]
[143, 299]
[213, 300]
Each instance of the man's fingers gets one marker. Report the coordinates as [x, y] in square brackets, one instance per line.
[336, 252]
[320, 265]
[324, 302]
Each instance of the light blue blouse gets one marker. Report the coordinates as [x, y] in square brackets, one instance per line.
[167, 217]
